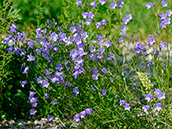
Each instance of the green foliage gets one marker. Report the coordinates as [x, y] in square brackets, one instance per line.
[8, 15]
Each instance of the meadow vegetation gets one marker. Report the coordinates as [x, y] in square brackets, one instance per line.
[95, 63]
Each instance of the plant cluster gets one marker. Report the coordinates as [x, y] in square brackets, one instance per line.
[79, 72]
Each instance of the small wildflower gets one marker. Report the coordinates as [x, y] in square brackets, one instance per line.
[90, 15]
[120, 3]
[82, 114]
[103, 22]
[104, 70]
[163, 44]
[148, 97]
[127, 106]
[151, 40]
[26, 70]
[89, 111]
[76, 91]
[93, 4]
[50, 117]
[108, 44]
[164, 3]
[102, 2]
[149, 5]
[23, 83]
[156, 53]
[79, 3]
[159, 94]
[46, 96]
[10, 49]
[30, 57]
[168, 12]
[127, 18]
[32, 112]
[98, 24]
[122, 102]
[139, 47]
[158, 106]
[113, 5]
[121, 39]
[104, 91]
[13, 28]
[88, 21]
[146, 108]
[93, 88]
[76, 117]
[150, 64]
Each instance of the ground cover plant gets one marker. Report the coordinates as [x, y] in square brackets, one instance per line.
[95, 69]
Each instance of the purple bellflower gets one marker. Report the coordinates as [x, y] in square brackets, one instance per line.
[148, 97]
[158, 106]
[164, 3]
[93, 4]
[32, 111]
[163, 44]
[113, 5]
[149, 5]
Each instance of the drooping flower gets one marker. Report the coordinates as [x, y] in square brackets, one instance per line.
[158, 106]
[113, 5]
[103, 70]
[46, 96]
[50, 117]
[103, 22]
[26, 70]
[168, 12]
[148, 97]
[139, 47]
[162, 15]
[146, 108]
[7, 39]
[159, 94]
[127, 106]
[89, 111]
[13, 28]
[82, 114]
[102, 2]
[98, 24]
[10, 49]
[23, 83]
[79, 3]
[163, 44]
[88, 21]
[104, 91]
[156, 53]
[120, 3]
[121, 39]
[76, 117]
[90, 14]
[164, 3]
[93, 4]
[151, 40]
[76, 91]
[95, 76]
[122, 102]
[108, 44]
[126, 19]
[32, 93]
[94, 70]
[32, 111]
[149, 5]
[30, 57]
[164, 22]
